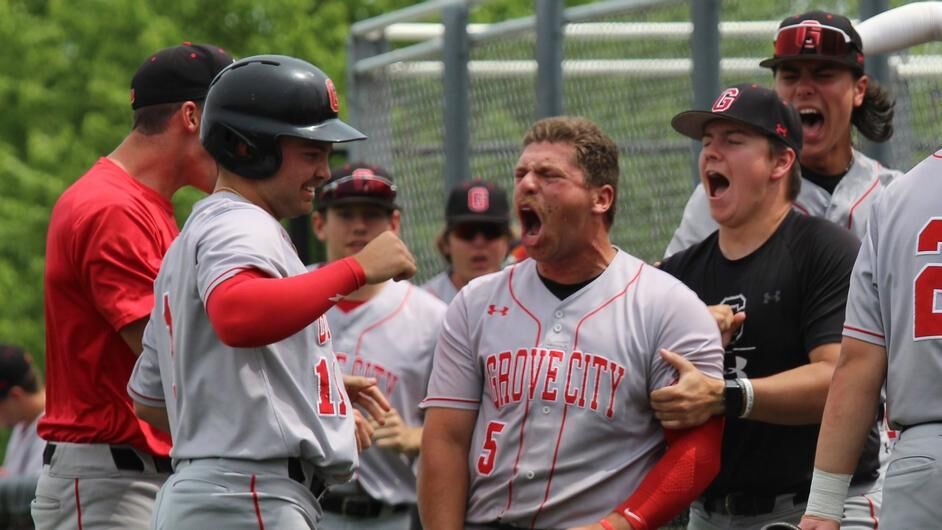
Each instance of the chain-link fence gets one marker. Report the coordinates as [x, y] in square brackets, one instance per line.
[629, 71]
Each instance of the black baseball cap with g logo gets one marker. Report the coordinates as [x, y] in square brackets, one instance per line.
[477, 201]
[820, 36]
[750, 104]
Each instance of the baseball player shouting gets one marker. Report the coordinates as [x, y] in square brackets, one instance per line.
[789, 274]
[537, 408]
[107, 235]
[818, 66]
[892, 333]
[386, 331]
[237, 348]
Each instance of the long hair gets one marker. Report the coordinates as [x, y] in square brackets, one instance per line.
[874, 117]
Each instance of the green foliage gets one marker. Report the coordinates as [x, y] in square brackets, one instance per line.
[66, 71]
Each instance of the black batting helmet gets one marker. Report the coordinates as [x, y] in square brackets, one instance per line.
[254, 101]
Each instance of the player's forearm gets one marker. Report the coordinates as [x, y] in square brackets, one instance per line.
[155, 416]
[443, 486]
[691, 462]
[443, 470]
[250, 310]
[794, 397]
[851, 406]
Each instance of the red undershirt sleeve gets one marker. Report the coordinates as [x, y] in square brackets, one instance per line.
[691, 462]
[252, 309]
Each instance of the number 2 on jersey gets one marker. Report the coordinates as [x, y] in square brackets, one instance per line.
[489, 449]
[927, 322]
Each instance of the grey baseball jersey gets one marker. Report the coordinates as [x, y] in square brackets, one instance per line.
[282, 400]
[895, 297]
[564, 430]
[849, 206]
[441, 286]
[390, 337]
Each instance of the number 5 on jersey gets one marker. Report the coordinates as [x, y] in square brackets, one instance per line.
[489, 449]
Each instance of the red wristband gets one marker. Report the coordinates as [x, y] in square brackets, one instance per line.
[606, 525]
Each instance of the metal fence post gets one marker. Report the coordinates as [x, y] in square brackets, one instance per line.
[878, 68]
[456, 87]
[369, 114]
[705, 48]
[549, 58]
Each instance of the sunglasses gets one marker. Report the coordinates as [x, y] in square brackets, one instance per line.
[490, 231]
[358, 186]
[801, 39]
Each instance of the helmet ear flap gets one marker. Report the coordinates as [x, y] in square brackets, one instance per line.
[241, 154]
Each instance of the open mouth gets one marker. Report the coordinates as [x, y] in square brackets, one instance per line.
[530, 224]
[811, 120]
[717, 184]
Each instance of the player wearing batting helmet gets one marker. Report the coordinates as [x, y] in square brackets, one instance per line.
[817, 66]
[537, 408]
[785, 275]
[237, 360]
[107, 235]
[892, 338]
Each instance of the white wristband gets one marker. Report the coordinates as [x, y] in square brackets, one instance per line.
[749, 396]
[828, 491]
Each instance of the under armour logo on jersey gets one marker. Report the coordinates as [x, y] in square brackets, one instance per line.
[769, 297]
[502, 311]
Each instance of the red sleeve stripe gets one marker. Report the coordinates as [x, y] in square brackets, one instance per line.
[864, 331]
[452, 400]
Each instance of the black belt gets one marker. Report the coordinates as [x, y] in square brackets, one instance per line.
[125, 459]
[296, 472]
[751, 504]
[358, 505]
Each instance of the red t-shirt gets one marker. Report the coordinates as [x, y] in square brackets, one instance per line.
[107, 236]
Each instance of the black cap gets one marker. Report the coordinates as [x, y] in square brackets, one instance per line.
[752, 105]
[809, 36]
[358, 183]
[178, 73]
[15, 368]
[477, 201]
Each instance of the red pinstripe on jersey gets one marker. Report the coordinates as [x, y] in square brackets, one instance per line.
[526, 408]
[381, 321]
[850, 213]
[562, 424]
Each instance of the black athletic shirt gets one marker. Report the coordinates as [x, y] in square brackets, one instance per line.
[793, 289]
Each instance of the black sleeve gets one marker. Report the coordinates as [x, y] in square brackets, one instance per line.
[829, 252]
